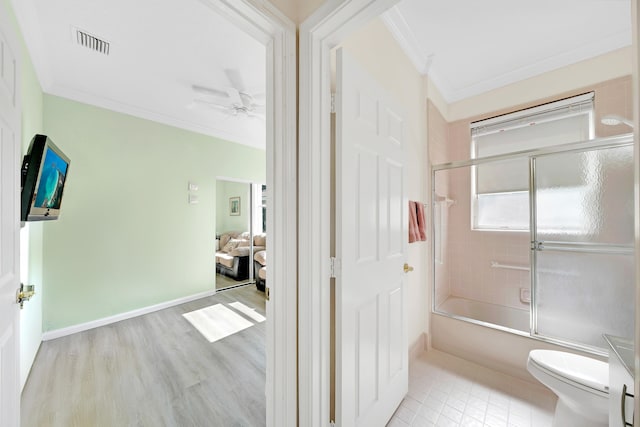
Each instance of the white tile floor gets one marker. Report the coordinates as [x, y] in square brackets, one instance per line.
[448, 391]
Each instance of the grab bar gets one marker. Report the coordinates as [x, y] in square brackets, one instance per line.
[496, 264]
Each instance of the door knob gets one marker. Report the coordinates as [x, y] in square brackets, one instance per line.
[24, 294]
[407, 268]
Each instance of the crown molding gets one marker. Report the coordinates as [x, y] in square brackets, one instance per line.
[588, 51]
[29, 24]
[119, 107]
[410, 44]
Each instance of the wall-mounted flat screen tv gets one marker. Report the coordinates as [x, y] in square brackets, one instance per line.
[44, 173]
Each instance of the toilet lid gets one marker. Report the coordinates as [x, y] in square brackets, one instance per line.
[582, 370]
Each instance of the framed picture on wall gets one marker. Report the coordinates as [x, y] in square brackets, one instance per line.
[234, 206]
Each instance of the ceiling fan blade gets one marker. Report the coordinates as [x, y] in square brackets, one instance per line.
[234, 97]
[259, 98]
[235, 79]
[210, 91]
[251, 101]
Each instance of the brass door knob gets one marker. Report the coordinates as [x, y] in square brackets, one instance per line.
[407, 268]
[24, 294]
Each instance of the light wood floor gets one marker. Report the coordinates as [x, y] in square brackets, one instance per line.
[154, 370]
[223, 282]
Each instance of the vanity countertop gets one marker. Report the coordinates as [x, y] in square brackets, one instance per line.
[623, 349]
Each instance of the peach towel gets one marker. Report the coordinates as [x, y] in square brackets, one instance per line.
[417, 226]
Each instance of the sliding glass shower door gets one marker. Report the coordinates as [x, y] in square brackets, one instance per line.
[582, 245]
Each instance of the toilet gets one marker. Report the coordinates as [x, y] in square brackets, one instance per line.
[581, 384]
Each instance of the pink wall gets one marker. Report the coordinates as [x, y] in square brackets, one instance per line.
[467, 254]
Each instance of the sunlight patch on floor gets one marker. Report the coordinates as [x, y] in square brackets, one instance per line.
[218, 321]
[248, 311]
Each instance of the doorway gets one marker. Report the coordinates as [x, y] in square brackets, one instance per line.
[278, 34]
[240, 233]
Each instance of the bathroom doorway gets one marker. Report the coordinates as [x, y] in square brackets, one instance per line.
[240, 233]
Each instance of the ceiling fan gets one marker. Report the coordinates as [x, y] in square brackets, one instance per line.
[234, 99]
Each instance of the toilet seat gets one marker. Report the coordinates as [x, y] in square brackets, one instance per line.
[583, 372]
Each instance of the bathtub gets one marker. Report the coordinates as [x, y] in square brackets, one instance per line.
[501, 316]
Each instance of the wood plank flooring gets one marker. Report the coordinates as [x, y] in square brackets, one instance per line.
[154, 370]
[223, 282]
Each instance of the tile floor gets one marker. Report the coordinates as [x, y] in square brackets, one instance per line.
[448, 391]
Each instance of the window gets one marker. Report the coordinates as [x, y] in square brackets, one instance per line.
[500, 190]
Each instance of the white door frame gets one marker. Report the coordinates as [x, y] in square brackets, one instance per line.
[635, 76]
[322, 31]
[267, 24]
[10, 384]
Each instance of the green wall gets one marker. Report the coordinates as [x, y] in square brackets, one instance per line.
[224, 221]
[127, 237]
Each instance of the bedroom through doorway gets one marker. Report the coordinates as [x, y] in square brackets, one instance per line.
[240, 245]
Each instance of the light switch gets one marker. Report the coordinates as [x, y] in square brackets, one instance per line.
[193, 186]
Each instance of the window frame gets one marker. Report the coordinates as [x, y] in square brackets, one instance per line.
[515, 120]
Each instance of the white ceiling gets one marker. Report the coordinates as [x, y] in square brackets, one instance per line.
[469, 46]
[158, 50]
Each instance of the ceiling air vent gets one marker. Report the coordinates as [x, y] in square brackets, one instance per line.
[92, 42]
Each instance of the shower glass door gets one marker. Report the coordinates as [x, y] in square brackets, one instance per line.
[582, 245]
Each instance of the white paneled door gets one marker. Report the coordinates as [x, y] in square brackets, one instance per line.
[371, 227]
[9, 225]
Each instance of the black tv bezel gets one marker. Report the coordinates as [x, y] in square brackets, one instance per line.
[31, 174]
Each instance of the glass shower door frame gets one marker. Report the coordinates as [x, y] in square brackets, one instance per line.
[575, 247]
[607, 142]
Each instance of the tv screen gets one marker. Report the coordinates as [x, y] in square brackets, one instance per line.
[44, 174]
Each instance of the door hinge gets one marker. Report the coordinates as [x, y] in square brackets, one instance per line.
[333, 102]
[334, 267]
[267, 293]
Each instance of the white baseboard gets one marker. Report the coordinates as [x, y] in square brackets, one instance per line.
[57, 333]
[419, 346]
